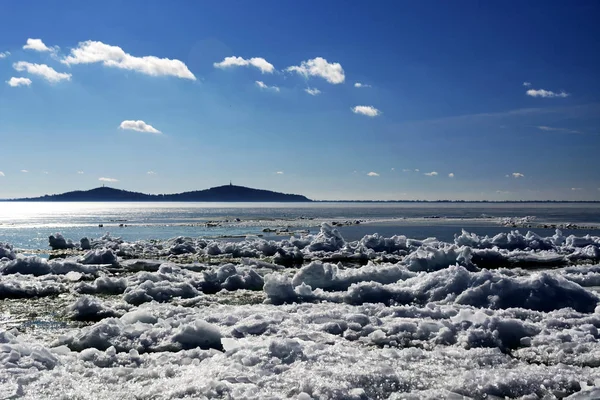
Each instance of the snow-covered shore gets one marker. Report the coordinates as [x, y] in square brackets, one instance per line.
[307, 317]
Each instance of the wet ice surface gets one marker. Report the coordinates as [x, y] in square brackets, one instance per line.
[316, 316]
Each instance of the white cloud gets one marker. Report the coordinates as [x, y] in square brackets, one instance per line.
[576, 189]
[432, 173]
[502, 191]
[545, 93]
[331, 72]
[359, 85]
[373, 174]
[45, 172]
[46, 72]
[451, 175]
[108, 179]
[37, 45]
[151, 173]
[2, 173]
[89, 52]
[417, 169]
[279, 172]
[139, 126]
[369, 111]
[551, 129]
[517, 175]
[14, 82]
[406, 170]
[258, 62]
[4, 54]
[262, 85]
[24, 171]
[392, 169]
[312, 91]
[80, 172]
[527, 84]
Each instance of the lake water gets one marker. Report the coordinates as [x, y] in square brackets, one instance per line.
[28, 225]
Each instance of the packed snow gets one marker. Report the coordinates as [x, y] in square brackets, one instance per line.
[309, 317]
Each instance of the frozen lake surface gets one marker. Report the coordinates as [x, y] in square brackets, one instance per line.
[181, 303]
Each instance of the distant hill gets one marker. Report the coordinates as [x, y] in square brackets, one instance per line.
[227, 193]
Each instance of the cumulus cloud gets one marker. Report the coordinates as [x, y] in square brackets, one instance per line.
[451, 175]
[24, 171]
[2, 173]
[108, 179]
[312, 91]
[46, 72]
[80, 172]
[36, 45]
[527, 84]
[331, 72]
[369, 111]
[151, 173]
[551, 129]
[139, 126]
[361, 85]
[14, 82]
[545, 93]
[263, 85]
[432, 173]
[258, 62]
[373, 174]
[518, 175]
[89, 52]
[575, 189]
[4, 54]
[279, 172]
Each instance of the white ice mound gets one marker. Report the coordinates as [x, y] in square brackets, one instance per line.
[58, 242]
[143, 332]
[6, 251]
[492, 289]
[39, 266]
[100, 256]
[19, 356]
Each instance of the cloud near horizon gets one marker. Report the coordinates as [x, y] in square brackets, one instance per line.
[373, 174]
[451, 175]
[361, 85]
[331, 72]
[2, 173]
[432, 173]
[46, 72]
[369, 111]
[139, 126]
[518, 175]
[90, 51]
[545, 93]
[258, 62]
[103, 179]
[15, 82]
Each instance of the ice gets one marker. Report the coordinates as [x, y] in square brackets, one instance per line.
[510, 315]
[89, 309]
[6, 251]
[58, 242]
[39, 266]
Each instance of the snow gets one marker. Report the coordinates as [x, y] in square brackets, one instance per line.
[311, 317]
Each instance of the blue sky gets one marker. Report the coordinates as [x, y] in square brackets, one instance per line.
[457, 100]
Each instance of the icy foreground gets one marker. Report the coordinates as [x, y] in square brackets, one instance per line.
[513, 316]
